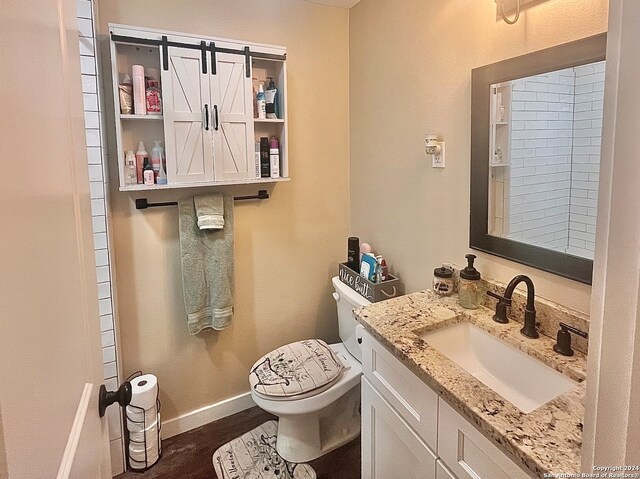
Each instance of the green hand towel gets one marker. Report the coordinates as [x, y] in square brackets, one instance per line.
[207, 268]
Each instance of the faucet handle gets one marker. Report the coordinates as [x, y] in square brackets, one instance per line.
[501, 299]
[563, 343]
[501, 307]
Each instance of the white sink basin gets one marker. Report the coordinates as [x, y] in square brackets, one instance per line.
[522, 380]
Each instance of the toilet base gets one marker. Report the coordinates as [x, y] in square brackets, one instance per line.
[305, 437]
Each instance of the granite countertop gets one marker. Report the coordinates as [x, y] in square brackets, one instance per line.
[546, 440]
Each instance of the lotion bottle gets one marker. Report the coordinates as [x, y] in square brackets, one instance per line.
[147, 172]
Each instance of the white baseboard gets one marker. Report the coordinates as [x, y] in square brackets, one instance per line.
[206, 414]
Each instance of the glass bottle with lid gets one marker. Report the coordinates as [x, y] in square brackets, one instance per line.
[443, 281]
[469, 291]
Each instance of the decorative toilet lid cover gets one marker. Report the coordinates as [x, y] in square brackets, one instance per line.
[295, 369]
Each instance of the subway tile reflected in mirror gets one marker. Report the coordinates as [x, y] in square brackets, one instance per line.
[544, 158]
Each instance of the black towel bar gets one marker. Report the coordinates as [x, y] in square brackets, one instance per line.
[143, 204]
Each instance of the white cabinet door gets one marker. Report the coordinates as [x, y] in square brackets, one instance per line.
[188, 131]
[468, 453]
[232, 95]
[442, 472]
[390, 448]
[416, 402]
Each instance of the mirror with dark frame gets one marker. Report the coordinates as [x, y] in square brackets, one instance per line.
[536, 123]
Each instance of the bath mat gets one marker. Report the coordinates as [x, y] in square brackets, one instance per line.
[253, 456]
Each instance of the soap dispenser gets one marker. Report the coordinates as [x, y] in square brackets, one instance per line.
[469, 290]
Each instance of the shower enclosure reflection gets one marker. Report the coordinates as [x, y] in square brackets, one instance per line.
[544, 158]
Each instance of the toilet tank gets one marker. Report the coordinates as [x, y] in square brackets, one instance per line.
[347, 300]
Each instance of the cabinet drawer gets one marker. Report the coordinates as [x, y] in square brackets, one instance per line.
[416, 402]
[468, 453]
[390, 448]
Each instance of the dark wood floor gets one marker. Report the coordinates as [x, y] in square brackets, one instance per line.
[188, 455]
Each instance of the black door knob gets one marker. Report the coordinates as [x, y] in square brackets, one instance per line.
[106, 398]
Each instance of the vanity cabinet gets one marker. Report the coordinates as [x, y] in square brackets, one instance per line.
[408, 430]
[391, 448]
[207, 126]
[468, 453]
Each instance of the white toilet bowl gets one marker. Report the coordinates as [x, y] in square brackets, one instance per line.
[316, 422]
[313, 426]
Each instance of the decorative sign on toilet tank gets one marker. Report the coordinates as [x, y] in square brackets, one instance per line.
[373, 292]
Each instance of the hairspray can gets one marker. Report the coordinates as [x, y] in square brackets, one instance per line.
[353, 253]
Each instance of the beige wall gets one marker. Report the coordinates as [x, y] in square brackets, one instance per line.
[410, 74]
[287, 247]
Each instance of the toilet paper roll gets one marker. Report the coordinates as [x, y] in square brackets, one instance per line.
[138, 414]
[138, 466]
[152, 445]
[139, 437]
[139, 448]
[144, 391]
[136, 424]
[140, 463]
[139, 459]
[139, 426]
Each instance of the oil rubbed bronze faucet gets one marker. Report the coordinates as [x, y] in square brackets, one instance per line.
[529, 330]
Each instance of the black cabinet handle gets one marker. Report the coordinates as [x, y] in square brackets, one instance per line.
[215, 117]
[206, 117]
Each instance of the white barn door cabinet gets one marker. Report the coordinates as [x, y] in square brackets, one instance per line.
[207, 126]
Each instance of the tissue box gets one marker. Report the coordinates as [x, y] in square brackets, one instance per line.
[373, 292]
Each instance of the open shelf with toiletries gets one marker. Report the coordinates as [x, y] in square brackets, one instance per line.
[192, 100]
[270, 74]
[133, 124]
[500, 141]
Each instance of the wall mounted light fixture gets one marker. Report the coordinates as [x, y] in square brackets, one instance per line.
[510, 21]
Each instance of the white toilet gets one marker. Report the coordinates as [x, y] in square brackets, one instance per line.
[314, 389]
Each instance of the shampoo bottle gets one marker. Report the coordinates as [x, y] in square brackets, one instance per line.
[141, 154]
[271, 97]
[261, 103]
